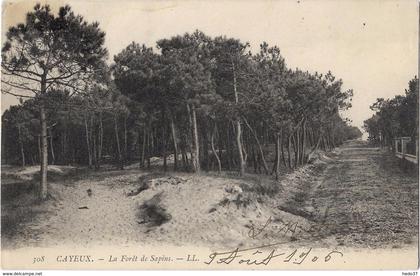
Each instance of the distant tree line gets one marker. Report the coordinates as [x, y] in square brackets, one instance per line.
[205, 103]
[396, 117]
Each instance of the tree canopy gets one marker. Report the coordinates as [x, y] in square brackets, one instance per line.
[206, 103]
[394, 117]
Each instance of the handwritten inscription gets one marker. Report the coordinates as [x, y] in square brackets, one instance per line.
[291, 228]
[265, 254]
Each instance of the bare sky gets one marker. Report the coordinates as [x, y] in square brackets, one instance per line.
[372, 45]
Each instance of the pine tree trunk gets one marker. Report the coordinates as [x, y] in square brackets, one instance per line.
[184, 155]
[95, 146]
[219, 165]
[64, 158]
[259, 147]
[143, 149]
[44, 154]
[273, 170]
[289, 154]
[282, 149]
[254, 159]
[311, 137]
[205, 142]
[327, 141]
[52, 148]
[332, 141]
[314, 148]
[22, 152]
[88, 144]
[174, 140]
[239, 146]
[277, 156]
[39, 150]
[245, 148]
[220, 142]
[228, 148]
[238, 127]
[117, 140]
[196, 150]
[101, 137]
[298, 146]
[125, 138]
[302, 159]
[148, 146]
[152, 149]
[324, 144]
[165, 165]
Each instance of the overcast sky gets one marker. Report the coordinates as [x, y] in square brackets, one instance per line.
[371, 45]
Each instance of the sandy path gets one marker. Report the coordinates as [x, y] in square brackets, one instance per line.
[366, 199]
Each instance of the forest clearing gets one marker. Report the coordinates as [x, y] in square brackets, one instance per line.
[356, 196]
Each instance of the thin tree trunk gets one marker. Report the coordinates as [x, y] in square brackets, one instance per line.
[165, 167]
[64, 145]
[52, 148]
[324, 144]
[245, 148]
[332, 140]
[219, 165]
[220, 142]
[239, 146]
[95, 146]
[228, 148]
[196, 150]
[254, 159]
[273, 170]
[259, 146]
[314, 148]
[44, 154]
[298, 146]
[327, 141]
[125, 137]
[117, 139]
[148, 147]
[22, 152]
[152, 149]
[143, 146]
[184, 155]
[91, 139]
[88, 144]
[277, 156]
[302, 159]
[101, 137]
[310, 137]
[39, 150]
[238, 126]
[289, 145]
[282, 148]
[174, 140]
[205, 143]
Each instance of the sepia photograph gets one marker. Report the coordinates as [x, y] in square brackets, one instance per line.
[210, 135]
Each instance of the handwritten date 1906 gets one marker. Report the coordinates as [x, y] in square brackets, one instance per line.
[263, 255]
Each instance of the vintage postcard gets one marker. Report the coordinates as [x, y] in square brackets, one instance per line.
[209, 135]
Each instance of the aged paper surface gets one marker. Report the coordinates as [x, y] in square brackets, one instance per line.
[144, 170]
